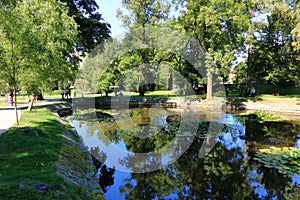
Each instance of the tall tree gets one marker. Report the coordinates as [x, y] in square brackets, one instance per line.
[276, 56]
[35, 37]
[219, 27]
[143, 13]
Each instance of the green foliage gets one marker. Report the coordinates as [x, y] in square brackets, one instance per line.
[259, 116]
[144, 12]
[92, 29]
[223, 36]
[286, 159]
[275, 58]
[220, 35]
[240, 73]
[265, 116]
[119, 64]
[35, 38]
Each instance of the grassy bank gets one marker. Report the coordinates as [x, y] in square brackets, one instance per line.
[29, 153]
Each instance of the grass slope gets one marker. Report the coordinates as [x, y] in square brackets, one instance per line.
[29, 153]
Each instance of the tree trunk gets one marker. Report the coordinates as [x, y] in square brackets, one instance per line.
[15, 103]
[143, 75]
[250, 45]
[170, 81]
[31, 103]
[41, 97]
[209, 93]
[143, 78]
[14, 83]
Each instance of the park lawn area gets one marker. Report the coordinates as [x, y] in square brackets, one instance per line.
[263, 91]
[29, 153]
[282, 101]
[266, 90]
[161, 94]
[21, 100]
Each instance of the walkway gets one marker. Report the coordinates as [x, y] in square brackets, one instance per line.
[287, 106]
[7, 118]
[8, 114]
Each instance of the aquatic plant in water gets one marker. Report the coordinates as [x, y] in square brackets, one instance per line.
[259, 116]
[285, 159]
[265, 116]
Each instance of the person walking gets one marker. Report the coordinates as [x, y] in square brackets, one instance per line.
[10, 99]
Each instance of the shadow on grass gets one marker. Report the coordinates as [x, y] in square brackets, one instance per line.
[29, 154]
[33, 151]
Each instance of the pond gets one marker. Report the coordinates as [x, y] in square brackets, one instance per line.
[153, 153]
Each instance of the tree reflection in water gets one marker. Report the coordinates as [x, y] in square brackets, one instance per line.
[229, 171]
[105, 174]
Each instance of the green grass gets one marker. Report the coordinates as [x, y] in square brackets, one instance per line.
[266, 90]
[160, 94]
[21, 100]
[263, 90]
[29, 153]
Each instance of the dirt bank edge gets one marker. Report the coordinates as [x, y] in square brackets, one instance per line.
[75, 163]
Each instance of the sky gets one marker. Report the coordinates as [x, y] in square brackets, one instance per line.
[108, 9]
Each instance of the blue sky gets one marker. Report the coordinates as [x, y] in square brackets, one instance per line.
[108, 9]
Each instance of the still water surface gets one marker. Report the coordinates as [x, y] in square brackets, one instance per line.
[227, 171]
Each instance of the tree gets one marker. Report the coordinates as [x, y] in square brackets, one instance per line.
[218, 27]
[276, 57]
[99, 69]
[117, 64]
[241, 73]
[35, 38]
[92, 29]
[143, 13]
